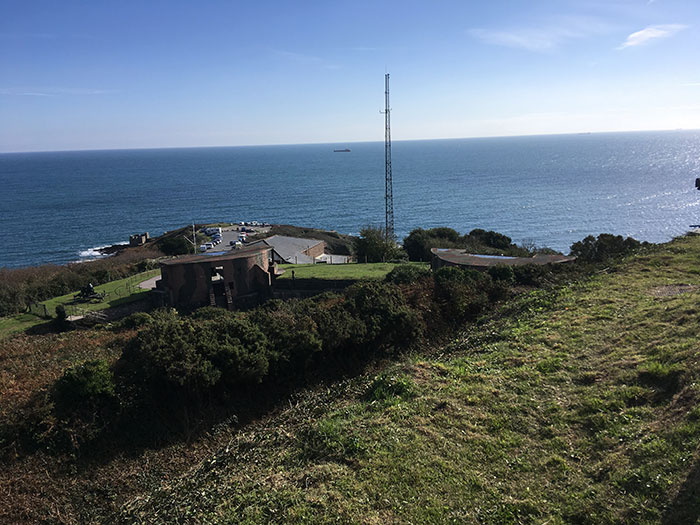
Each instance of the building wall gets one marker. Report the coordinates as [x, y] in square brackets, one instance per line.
[315, 251]
[189, 284]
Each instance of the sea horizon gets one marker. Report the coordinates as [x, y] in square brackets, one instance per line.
[552, 190]
[380, 140]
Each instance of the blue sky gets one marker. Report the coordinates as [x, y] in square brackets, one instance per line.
[133, 74]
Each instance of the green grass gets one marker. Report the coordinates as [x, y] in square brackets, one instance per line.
[339, 271]
[579, 405]
[122, 291]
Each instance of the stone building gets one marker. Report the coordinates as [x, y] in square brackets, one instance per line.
[224, 279]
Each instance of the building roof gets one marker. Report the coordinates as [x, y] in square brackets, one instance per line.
[217, 256]
[290, 248]
[462, 258]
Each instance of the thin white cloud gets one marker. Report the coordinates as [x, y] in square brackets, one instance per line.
[647, 34]
[546, 37]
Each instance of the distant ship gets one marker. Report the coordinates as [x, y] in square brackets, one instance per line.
[346, 150]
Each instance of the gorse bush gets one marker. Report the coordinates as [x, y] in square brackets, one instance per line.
[502, 273]
[292, 335]
[606, 246]
[136, 320]
[85, 384]
[407, 274]
[387, 318]
[463, 294]
[196, 356]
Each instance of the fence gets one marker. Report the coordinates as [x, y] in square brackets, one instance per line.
[125, 289]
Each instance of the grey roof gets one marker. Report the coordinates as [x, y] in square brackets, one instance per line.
[291, 248]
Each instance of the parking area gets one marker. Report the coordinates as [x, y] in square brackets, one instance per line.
[231, 234]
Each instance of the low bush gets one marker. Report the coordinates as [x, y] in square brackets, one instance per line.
[136, 320]
[531, 274]
[604, 247]
[293, 338]
[462, 294]
[85, 384]
[388, 320]
[502, 273]
[194, 357]
[407, 274]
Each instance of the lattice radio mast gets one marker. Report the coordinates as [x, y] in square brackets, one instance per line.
[389, 193]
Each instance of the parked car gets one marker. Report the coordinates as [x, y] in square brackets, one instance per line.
[203, 248]
[209, 245]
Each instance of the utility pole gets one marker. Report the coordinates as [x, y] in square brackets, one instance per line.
[388, 190]
[194, 240]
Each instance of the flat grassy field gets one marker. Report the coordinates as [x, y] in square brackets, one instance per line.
[118, 292]
[339, 271]
[579, 405]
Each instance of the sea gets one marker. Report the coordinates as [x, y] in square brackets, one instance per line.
[553, 190]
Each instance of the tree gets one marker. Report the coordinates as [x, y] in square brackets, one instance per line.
[420, 241]
[372, 246]
[175, 246]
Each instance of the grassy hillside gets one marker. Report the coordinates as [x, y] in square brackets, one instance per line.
[575, 406]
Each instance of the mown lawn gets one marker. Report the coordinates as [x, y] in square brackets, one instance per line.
[339, 271]
[574, 406]
[118, 292]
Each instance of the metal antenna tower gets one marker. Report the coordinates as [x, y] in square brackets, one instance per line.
[389, 193]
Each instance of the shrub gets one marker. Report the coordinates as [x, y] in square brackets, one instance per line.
[86, 383]
[292, 335]
[419, 242]
[407, 274]
[502, 273]
[175, 246]
[338, 329]
[462, 294]
[606, 246]
[195, 356]
[382, 308]
[136, 320]
[531, 274]
[61, 320]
